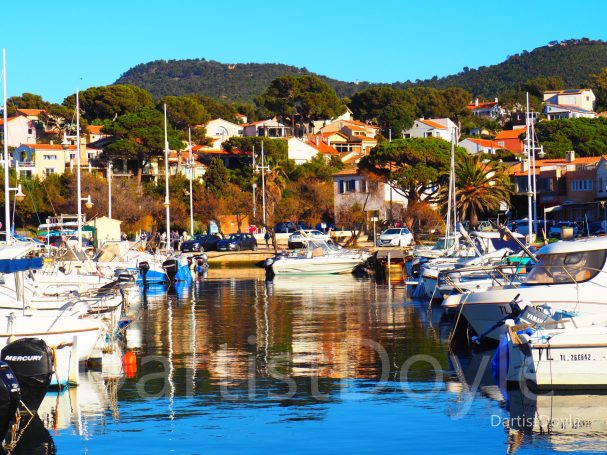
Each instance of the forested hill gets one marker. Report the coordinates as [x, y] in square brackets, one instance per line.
[240, 82]
[574, 61]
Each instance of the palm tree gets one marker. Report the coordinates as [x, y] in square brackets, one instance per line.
[480, 186]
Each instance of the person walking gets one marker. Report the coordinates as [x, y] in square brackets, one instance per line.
[267, 238]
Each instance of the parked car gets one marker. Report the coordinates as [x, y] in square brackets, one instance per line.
[237, 242]
[201, 242]
[555, 231]
[299, 238]
[400, 236]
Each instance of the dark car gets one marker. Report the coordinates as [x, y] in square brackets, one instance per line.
[237, 242]
[285, 227]
[201, 242]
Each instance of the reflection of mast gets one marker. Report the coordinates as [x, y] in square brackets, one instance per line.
[193, 345]
[171, 366]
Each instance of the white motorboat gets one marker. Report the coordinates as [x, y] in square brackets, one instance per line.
[565, 356]
[570, 276]
[320, 257]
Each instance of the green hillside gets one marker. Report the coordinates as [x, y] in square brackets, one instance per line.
[572, 60]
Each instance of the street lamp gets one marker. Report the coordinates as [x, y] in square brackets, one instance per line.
[87, 202]
[19, 194]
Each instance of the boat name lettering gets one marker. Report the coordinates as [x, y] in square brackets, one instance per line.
[575, 357]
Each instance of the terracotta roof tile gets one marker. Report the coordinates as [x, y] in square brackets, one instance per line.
[510, 134]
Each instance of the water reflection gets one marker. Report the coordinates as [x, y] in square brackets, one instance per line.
[234, 356]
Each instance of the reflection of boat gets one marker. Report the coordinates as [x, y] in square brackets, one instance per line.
[320, 257]
[575, 422]
[30, 437]
[318, 285]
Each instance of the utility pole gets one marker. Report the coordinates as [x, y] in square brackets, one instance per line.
[191, 163]
[109, 189]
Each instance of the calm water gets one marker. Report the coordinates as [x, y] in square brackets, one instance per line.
[306, 365]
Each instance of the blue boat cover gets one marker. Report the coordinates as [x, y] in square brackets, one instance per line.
[19, 265]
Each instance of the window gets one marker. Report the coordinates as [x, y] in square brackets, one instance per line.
[581, 185]
[92, 155]
[49, 157]
[49, 170]
[363, 186]
[347, 186]
[72, 156]
[562, 268]
[30, 131]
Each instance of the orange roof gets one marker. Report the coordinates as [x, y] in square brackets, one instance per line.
[434, 124]
[481, 105]
[32, 112]
[348, 170]
[94, 129]
[515, 170]
[485, 142]
[48, 146]
[510, 134]
[8, 119]
[322, 146]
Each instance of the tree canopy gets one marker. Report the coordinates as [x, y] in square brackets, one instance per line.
[110, 101]
[414, 167]
[587, 136]
[303, 98]
[139, 137]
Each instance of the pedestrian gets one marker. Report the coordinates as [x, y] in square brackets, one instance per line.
[267, 238]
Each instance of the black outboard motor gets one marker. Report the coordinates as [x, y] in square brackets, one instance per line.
[144, 267]
[200, 263]
[10, 396]
[32, 362]
[171, 266]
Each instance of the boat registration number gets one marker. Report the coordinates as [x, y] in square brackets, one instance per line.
[575, 357]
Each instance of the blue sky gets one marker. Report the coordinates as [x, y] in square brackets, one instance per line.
[52, 48]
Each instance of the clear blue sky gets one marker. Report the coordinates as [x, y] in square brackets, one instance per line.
[52, 48]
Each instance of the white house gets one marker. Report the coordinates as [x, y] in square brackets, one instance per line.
[601, 179]
[300, 151]
[560, 111]
[268, 128]
[474, 146]
[21, 130]
[319, 124]
[350, 187]
[223, 130]
[433, 127]
[583, 98]
[490, 109]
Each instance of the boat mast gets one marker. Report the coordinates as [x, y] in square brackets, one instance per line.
[166, 182]
[7, 204]
[529, 166]
[78, 186]
[191, 176]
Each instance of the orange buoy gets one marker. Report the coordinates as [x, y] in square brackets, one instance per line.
[129, 364]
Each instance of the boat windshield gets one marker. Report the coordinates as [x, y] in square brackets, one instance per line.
[563, 268]
[440, 244]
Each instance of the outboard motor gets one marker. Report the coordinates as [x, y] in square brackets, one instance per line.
[171, 266]
[144, 267]
[32, 362]
[201, 264]
[10, 396]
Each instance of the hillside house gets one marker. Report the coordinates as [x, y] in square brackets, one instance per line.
[474, 146]
[489, 109]
[443, 128]
[350, 187]
[222, 130]
[267, 128]
[20, 130]
[511, 140]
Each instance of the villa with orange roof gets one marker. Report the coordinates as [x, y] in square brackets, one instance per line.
[511, 139]
[443, 128]
[21, 130]
[489, 109]
[474, 146]
[564, 181]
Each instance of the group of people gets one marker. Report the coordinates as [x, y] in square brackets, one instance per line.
[159, 239]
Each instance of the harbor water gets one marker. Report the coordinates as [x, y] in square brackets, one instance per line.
[308, 364]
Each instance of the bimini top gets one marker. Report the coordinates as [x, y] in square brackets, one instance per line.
[570, 246]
